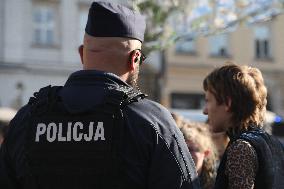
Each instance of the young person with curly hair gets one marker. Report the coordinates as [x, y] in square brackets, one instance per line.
[203, 152]
[202, 148]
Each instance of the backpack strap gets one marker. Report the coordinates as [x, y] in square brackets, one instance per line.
[123, 96]
[133, 96]
[117, 99]
[44, 99]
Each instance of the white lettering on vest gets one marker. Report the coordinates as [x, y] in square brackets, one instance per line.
[74, 132]
[40, 130]
[69, 131]
[60, 137]
[77, 137]
[100, 132]
[91, 132]
[51, 132]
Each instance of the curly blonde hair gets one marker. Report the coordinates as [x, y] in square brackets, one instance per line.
[198, 133]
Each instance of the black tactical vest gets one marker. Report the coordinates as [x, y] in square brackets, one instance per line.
[79, 151]
[270, 155]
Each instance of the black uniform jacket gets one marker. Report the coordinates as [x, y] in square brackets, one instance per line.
[154, 150]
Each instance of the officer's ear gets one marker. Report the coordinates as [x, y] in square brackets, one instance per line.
[80, 50]
[134, 59]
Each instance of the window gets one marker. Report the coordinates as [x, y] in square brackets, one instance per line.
[262, 42]
[44, 25]
[187, 46]
[187, 101]
[218, 45]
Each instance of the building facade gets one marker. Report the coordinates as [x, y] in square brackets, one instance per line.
[188, 62]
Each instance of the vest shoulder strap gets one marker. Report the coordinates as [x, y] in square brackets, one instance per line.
[124, 95]
[44, 99]
[118, 98]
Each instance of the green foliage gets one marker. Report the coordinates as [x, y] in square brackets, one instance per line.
[160, 34]
[157, 16]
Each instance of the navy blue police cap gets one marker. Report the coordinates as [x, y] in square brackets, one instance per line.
[108, 19]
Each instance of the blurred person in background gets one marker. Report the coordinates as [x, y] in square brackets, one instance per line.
[202, 149]
[236, 99]
[180, 120]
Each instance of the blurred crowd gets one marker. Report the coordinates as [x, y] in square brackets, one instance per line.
[205, 147]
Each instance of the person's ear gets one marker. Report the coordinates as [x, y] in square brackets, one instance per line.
[81, 52]
[134, 59]
[228, 103]
[206, 153]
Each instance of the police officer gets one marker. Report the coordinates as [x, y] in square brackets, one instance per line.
[98, 130]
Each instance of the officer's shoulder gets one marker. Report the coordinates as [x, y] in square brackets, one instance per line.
[16, 124]
[44, 93]
[153, 112]
[148, 106]
[25, 111]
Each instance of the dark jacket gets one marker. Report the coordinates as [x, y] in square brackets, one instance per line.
[270, 155]
[154, 152]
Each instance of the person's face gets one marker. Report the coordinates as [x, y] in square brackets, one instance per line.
[218, 114]
[197, 155]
